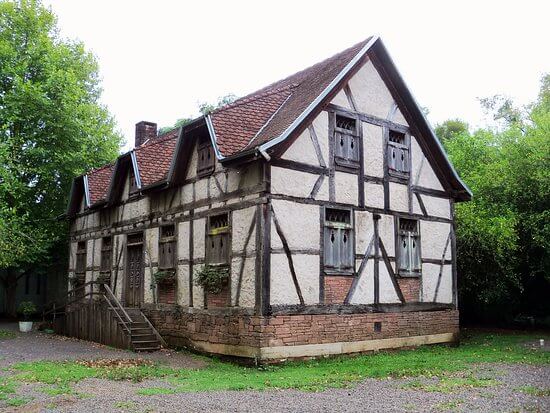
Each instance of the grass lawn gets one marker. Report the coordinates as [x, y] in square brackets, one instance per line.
[6, 334]
[428, 361]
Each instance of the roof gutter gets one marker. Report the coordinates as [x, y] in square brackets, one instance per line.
[86, 190]
[136, 168]
[213, 138]
[319, 99]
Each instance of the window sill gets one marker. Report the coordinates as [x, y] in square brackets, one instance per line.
[205, 172]
[409, 275]
[339, 273]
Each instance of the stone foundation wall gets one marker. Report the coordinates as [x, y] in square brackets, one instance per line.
[220, 299]
[248, 336]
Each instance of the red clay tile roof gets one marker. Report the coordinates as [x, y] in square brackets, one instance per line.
[266, 113]
[245, 123]
[98, 182]
[154, 157]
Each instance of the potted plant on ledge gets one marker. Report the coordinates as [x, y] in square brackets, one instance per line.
[27, 308]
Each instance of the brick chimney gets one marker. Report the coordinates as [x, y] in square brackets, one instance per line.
[144, 131]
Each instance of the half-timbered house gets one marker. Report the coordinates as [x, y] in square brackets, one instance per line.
[326, 197]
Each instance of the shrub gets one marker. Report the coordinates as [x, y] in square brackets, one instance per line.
[212, 278]
[27, 308]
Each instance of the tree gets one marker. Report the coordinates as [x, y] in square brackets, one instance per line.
[503, 234]
[205, 108]
[450, 128]
[52, 128]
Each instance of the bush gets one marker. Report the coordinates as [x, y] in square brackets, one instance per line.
[212, 278]
[27, 308]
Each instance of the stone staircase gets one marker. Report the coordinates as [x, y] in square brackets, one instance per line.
[143, 335]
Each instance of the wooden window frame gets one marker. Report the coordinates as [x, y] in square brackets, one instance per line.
[168, 246]
[344, 136]
[106, 260]
[395, 149]
[414, 270]
[215, 235]
[80, 263]
[132, 183]
[205, 168]
[341, 231]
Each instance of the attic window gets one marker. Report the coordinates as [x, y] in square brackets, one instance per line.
[217, 240]
[408, 251]
[133, 183]
[346, 142]
[398, 154]
[338, 241]
[206, 158]
[106, 253]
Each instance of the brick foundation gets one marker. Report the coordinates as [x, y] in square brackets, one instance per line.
[336, 288]
[410, 287]
[221, 299]
[247, 335]
[167, 293]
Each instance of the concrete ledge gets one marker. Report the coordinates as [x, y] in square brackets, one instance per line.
[326, 349]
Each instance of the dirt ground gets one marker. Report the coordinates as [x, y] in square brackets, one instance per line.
[508, 393]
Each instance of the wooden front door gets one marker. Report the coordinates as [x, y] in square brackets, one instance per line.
[134, 276]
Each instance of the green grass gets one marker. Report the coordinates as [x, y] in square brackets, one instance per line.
[430, 361]
[154, 391]
[58, 389]
[17, 401]
[6, 334]
[535, 391]
[449, 405]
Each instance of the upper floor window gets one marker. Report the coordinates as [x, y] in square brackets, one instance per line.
[217, 240]
[398, 154]
[167, 247]
[408, 247]
[206, 158]
[338, 241]
[346, 141]
[133, 183]
[81, 257]
[106, 254]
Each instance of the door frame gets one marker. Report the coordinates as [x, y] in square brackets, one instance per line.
[127, 269]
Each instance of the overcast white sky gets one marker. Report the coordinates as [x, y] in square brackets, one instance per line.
[158, 59]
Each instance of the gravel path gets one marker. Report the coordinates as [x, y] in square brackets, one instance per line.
[505, 394]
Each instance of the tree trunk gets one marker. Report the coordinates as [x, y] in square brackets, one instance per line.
[11, 289]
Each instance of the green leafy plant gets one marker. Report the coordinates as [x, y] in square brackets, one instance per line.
[164, 277]
[27, 308]
[212, 278]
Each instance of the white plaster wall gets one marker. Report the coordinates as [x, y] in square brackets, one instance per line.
[148, 292]
[438, 207]
[282, 290]
[426, 177]
[233, 179]
[399, 197]
[199, 237]
[201, 191]
[192, 165]
[198, 291]
[387, 290]
[307, 272]
[399, 118]
[373, 150]
[302, 150]
[364, 231]
[212, 187]
[430, 275]
[240, 227]
[290, 182]
[183, 240]
[341, 100]
[250, 176]
[374, 195]
[135, 209]
[320, 124]
[247, 297]
[299, 223]
[386, 230]
[346, 188]
[183, 285]
[370, 93]
[364, 292]
[416, 206]
[322, 193]
[433, 238]
[89, 252]
[72, 255]
[152, 244]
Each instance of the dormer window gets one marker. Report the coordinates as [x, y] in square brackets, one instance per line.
[133, 183]
[398, 154]
[346, 141]
[206, 158]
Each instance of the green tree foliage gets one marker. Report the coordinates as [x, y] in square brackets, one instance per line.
[503, 234]
[52, 128]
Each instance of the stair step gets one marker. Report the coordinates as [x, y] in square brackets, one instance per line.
[144, 341]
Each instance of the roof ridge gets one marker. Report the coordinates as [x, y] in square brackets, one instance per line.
[251, 97]
[105, 166]
[159, 139]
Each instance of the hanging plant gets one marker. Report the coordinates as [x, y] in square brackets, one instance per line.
[212, 278]
[164, 277]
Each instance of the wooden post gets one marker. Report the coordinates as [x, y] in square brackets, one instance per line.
[376, 218]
